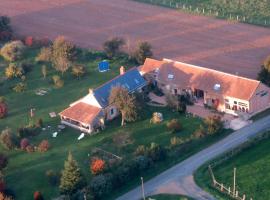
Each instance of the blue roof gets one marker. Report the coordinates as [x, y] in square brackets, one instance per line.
[131, 80]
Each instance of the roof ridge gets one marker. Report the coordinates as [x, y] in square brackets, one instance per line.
[208, 69]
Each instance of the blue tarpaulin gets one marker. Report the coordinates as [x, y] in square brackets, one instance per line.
[103, 66]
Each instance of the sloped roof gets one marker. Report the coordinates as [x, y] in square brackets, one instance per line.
[131, 80]
[150, 65]
[81, 112]
[186, 75]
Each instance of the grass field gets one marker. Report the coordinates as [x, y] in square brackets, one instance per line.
[26, 172]
[169, 197]
[250, 11]
[253, 177]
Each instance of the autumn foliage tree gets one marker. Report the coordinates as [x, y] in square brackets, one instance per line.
[38, 196]
[97, 166]
[43, 146]
[13, 51]
[125, 103]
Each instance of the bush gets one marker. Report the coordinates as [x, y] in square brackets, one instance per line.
[142, 162]
[143, 51]
[39, 123]
[3, 109]
[213, 124]
[101, 185]
[176, 141]
[113, 46]
[140, 151]
[27, 132]
[5, 29]
[38, 196]
[7, 139]
[14, 71]
[200, 132]
[30, 149]
[174, 126]
[53, 177]
[13, 51]
[43, 146]
[44, 55]
[19, 87]
[24, 143]
[156, 152]
[58, 83]
[78, 71]
[3, 161]
[26, 67]
[156, 118]
[97, 166]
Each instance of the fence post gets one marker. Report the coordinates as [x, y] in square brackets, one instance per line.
[236, 194]
[203, 10]
[221, 187]
[229, 190]
[244, 197]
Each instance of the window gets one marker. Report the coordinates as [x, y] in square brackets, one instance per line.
[170, 76]
[136, 81]
[112, 111]
[235, 102]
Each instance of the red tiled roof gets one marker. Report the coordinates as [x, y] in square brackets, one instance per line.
[150, 65]
[81, 112]
[186, 75]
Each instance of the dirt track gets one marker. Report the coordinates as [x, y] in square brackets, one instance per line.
[222, 45]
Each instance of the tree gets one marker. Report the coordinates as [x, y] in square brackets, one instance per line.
[101, 185]
[43, 146]
[3, 108]
[38, 196]
[113, 46]
[24, 143]
[13, 71]
[5, 28]
[13, 51]
[44, 71]
[71, 179]
[174, 126]
[3, 162]
[144, 50]
[97, 166]
[125, 103]
[44, 55]
[7, 139]
[78, 70]
[62, 54]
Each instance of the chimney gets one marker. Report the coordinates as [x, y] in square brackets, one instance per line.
[122, 70]
[90, 91]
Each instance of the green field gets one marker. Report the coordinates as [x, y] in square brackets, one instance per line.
[26, 171]
[253, 178]
[169, 197]
[249, 11]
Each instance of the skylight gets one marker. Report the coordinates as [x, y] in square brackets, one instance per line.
[170, 76]
[217, 87]
[136, 81]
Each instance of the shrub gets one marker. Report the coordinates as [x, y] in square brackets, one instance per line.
[30, 149]
[5, 28]
[13, 51]
[200, 132]
[26, 67]
[24, 143]
[13, 71]
[53, 177]
[176, 141]
[3, 161]
[19, 87]
[213, 124]
[140, 151]
[58, 83]
[27, 131]
[3, 109]
[78, 70]
[38, 195]
[5, 197]
[142, 162]
[39, 123]
[101, 185]
[156, 118]
[143, 51]
[97, 166]
[156, 152]
[44, 55]
[43, 146]
[29, 41]
[7, 139]
[113, 46]
[174, 126]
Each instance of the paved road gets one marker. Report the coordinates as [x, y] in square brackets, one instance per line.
[179, 179]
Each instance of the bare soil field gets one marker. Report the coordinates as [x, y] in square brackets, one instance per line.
[227, 46]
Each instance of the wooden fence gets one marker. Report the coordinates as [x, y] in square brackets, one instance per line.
[209, 12]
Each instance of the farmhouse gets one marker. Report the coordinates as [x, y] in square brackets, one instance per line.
[225, 92]
[91, 111]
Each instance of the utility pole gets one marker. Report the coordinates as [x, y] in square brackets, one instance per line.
[234, 180]
[142, 189]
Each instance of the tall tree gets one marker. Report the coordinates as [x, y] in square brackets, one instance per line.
[113, 46]
[5, 28]
[62, 54]
[125, 103]
[144, 50]
[71, 179]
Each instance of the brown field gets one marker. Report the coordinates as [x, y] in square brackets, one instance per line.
[222, 45]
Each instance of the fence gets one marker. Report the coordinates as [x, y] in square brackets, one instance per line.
[209, 12]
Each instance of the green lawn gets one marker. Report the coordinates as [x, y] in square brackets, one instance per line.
[253, 178]
[26, 172]
[169, 197]
[249, 11]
